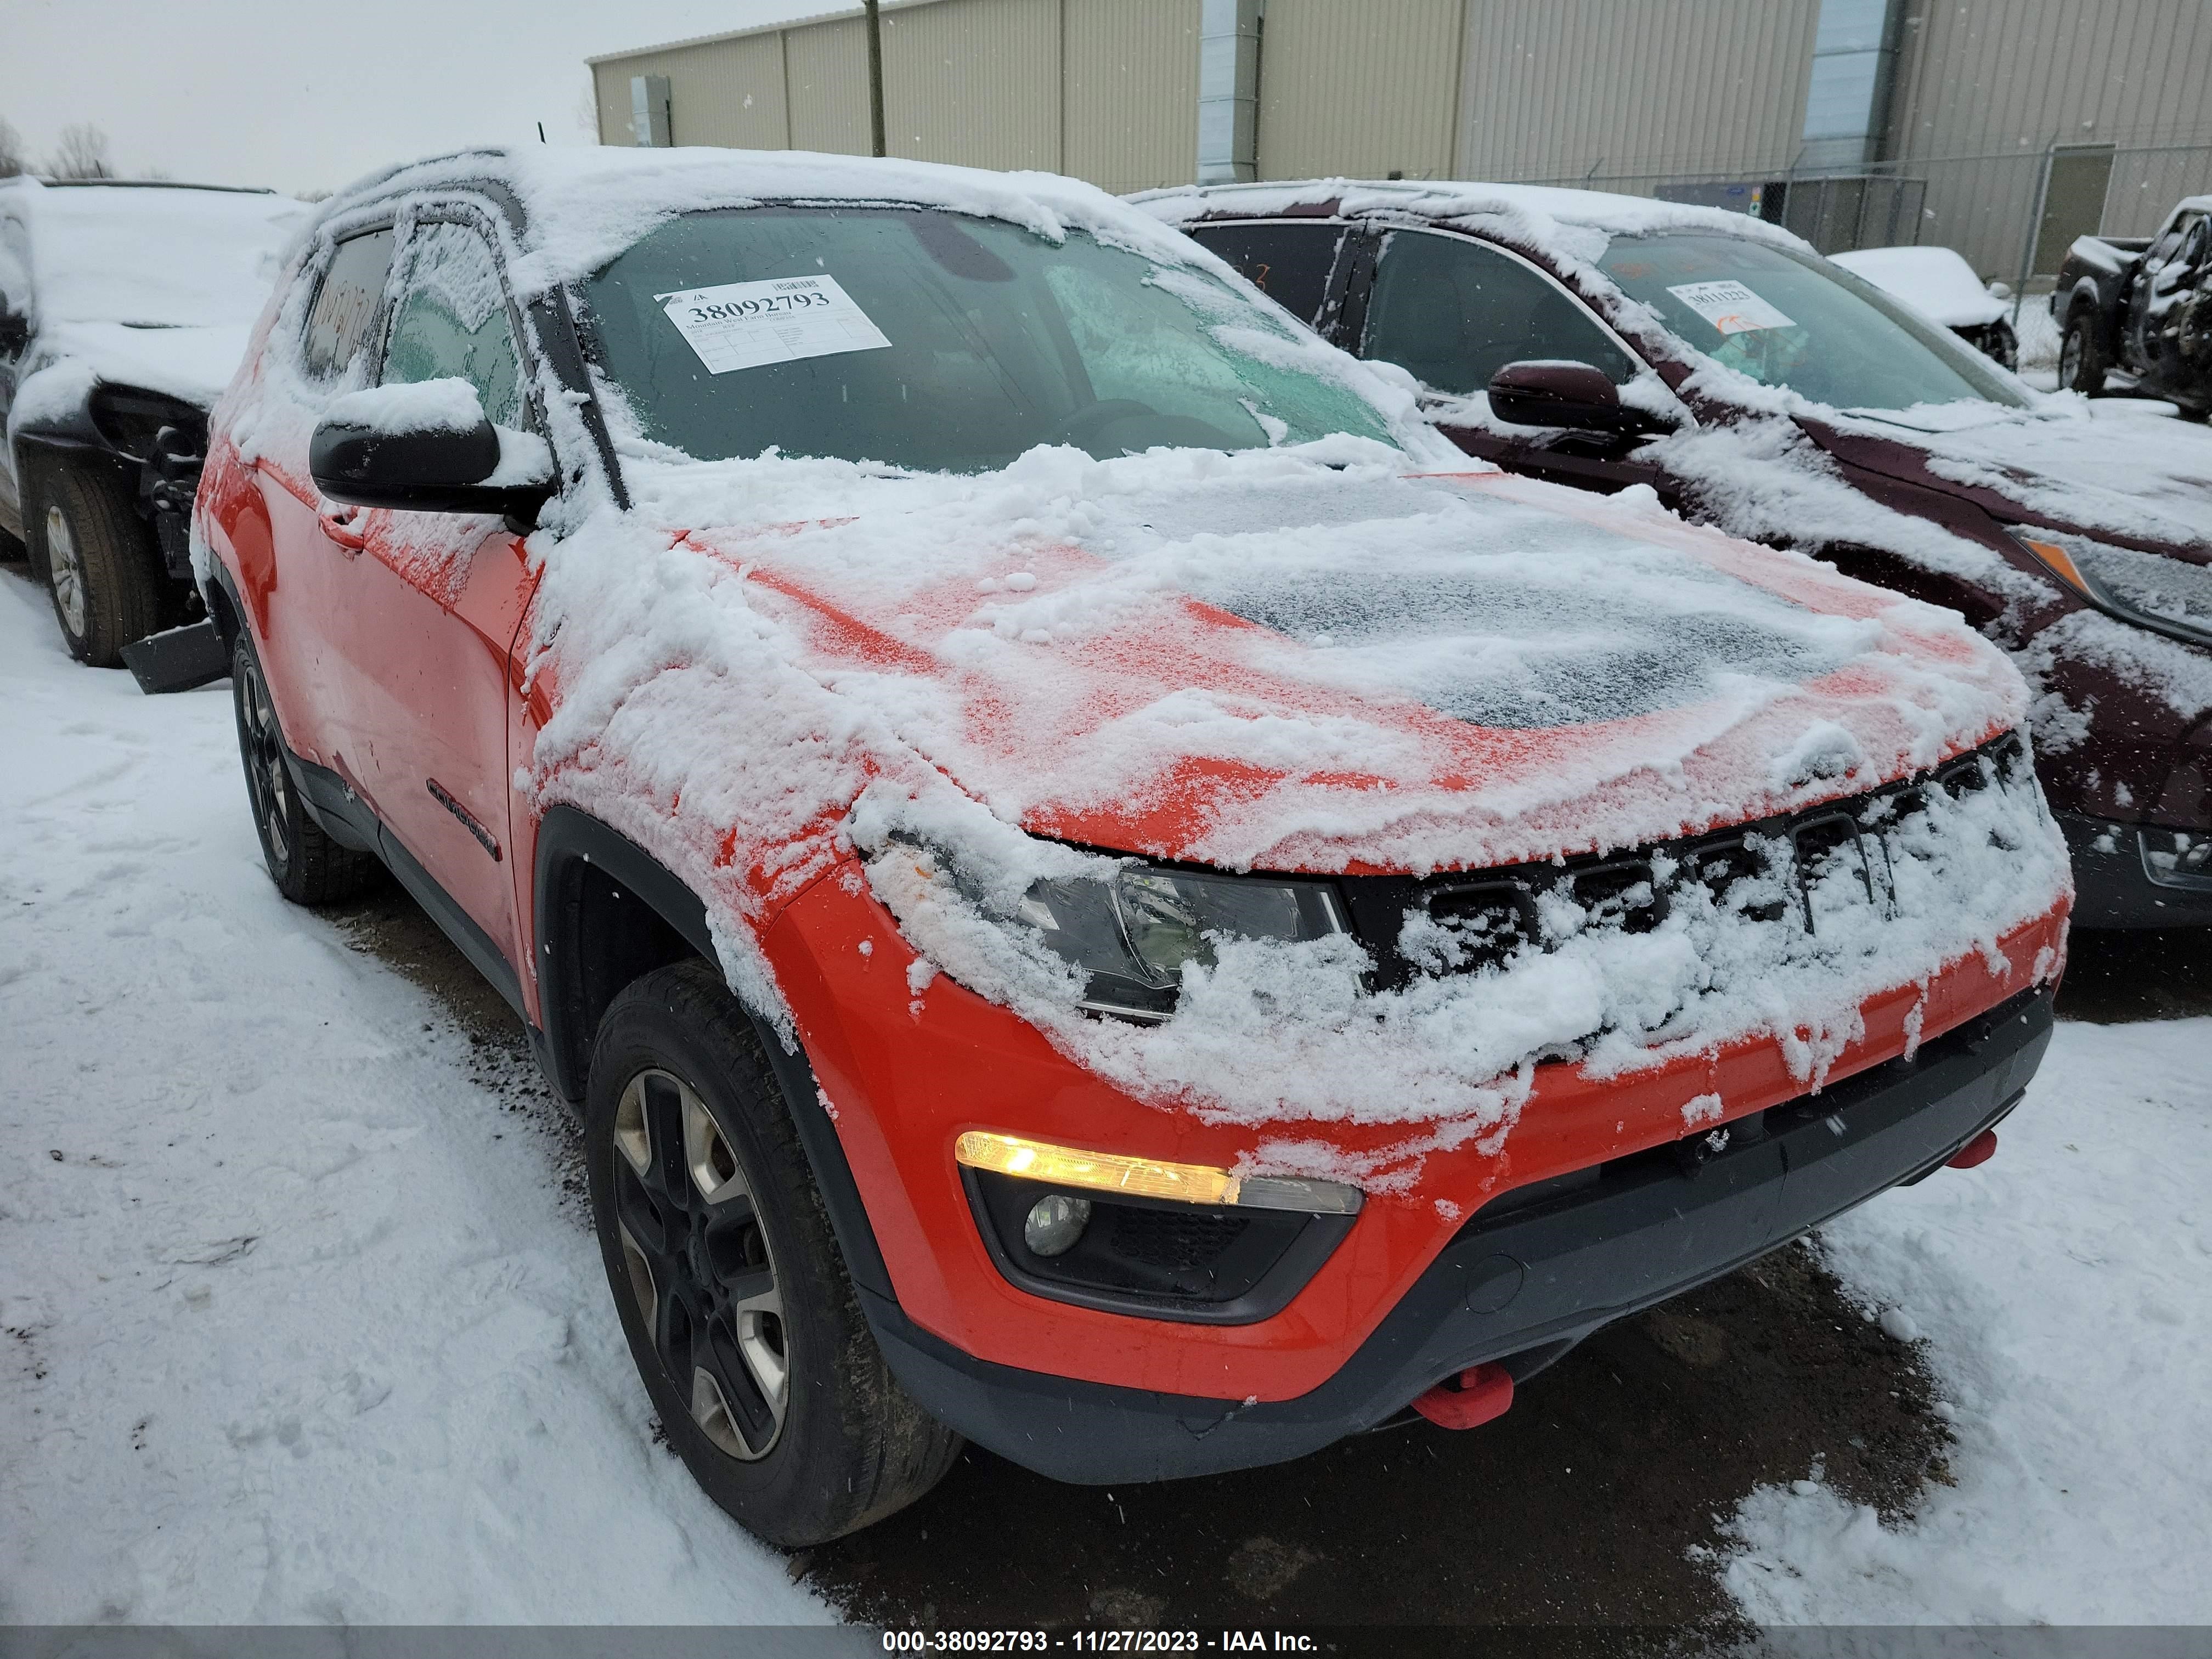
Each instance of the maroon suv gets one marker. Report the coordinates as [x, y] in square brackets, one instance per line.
[1608, 341]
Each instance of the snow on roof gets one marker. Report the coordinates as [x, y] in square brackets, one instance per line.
[586, 205]
[1536, 215]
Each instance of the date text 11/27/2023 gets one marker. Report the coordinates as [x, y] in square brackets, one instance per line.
[1096, 1641]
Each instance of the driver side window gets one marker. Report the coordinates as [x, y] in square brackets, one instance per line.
[1454, 313]
[452, 321]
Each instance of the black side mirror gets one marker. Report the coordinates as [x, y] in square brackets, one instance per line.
[1555, 392]
[428, 447]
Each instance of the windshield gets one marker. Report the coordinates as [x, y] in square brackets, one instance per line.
[155, 257]
[941, 344]
[1792, 320]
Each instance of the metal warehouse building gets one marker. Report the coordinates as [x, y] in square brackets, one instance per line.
[2002, 128]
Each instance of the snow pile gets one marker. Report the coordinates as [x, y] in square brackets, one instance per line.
[2060, 1288]
[2038, 342]
[299, 1326]
[447, 404]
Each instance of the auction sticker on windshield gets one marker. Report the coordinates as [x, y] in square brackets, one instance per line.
[744, 325]
[1730, 307]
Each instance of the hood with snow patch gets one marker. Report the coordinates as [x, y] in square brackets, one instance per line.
[2092, 469]
[1261, 660]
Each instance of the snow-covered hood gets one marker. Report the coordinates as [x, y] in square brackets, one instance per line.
[69, 359]
[1262, 660]
[2111, 473]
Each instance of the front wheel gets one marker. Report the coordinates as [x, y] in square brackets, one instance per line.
[2080, 359]
[734, 1297]
[99, 558]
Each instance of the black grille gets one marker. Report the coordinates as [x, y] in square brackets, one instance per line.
[1173, 1240]
[1763, 871]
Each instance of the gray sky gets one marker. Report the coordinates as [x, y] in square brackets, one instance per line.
[304, 95]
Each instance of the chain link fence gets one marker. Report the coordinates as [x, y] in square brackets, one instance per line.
[2010, 212]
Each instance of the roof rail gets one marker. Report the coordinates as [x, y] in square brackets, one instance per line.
[148, 184]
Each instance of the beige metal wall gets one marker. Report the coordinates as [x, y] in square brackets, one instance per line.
[728, 91]
[1984, 90]
[827, 71]
[976, 82]
[1105, 89]
[1627, 92]
[1129, 91]
[1363, 90]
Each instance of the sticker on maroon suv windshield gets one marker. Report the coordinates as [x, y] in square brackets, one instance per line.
[744, 325]
[1730, 307]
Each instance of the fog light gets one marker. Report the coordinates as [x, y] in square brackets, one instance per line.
[1054, 1223]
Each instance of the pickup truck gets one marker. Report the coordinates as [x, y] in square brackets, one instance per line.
[2139, 309]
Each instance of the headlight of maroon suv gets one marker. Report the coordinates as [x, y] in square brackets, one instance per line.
[2155, 590]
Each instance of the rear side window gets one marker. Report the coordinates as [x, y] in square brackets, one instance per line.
[345, 308]
[452, 321]
[1455, 312]
[1289, 263]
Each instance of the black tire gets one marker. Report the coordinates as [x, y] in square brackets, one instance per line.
[98, 558]
[732, 1282]
[2003, 347]
[2080, 357]
[307, 866]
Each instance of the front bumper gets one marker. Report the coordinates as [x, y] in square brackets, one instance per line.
[1528, 1275]
[2128, 875]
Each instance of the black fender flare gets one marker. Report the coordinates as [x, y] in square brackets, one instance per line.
[569, 842]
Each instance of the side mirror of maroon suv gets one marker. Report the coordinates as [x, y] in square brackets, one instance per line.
[1784, 398]
[1097, 890]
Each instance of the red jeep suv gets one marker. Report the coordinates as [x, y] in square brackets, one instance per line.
[1097, 889]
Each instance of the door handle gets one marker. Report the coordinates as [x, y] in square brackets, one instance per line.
[339, 525]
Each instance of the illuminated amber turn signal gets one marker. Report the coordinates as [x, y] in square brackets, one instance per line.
[1149, 1178]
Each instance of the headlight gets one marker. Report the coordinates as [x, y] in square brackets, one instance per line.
[2156, 591]
[1135, 934]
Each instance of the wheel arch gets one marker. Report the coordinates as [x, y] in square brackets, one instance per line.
[607, 912]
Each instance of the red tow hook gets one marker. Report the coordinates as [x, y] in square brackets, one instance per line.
[1980, 1150]
[1469, 1400]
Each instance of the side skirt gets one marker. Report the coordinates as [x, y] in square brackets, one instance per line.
[347, 818]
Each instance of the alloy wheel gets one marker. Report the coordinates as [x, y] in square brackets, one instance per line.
[65, 569]
[265, 777]
[699, 1265]
[2070, 358]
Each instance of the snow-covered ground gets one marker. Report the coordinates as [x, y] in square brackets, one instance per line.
[298, 1323]
[2061, 1290]
[299, 1326]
